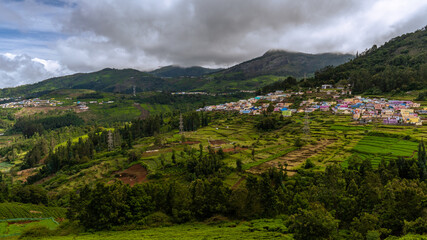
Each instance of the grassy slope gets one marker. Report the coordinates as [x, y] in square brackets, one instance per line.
[245, 230]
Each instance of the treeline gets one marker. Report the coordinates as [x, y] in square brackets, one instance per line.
[22, 193]
[353, 203]
[82, 151]
[38, 124]
[72, 154]
[94, 95]
[190, 101]
[288, 83]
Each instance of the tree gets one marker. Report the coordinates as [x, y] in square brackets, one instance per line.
[239, 165]
[313, 223]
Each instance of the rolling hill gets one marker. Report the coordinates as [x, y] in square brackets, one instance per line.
[177, 71]
[399, 64]
[248, 75]
[284, 63]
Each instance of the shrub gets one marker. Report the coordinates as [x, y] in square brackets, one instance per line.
[36, 232]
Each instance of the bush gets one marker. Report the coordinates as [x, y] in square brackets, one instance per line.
[35, 232]
[309, 164]
[156, 219]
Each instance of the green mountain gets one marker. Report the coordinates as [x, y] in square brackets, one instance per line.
[284, 63]
[249, 75]
[106, 80]
[399, 64]
[177, 71]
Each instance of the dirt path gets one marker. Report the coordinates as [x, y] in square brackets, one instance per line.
[237, 184]
[144, 113]
[292, 159]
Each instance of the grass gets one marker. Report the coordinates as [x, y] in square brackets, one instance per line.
[259, 229]
[10, 228]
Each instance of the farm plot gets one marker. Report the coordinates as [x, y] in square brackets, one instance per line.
[15, 227]
[20, 210]
[386, 146]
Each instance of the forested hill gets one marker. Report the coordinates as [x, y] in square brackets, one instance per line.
[400, 64]
[177, 71]
[106, 80]
[284, 63]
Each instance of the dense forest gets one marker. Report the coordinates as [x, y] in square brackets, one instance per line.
[363, 201]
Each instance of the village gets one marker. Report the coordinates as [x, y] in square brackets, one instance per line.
[363, 109]
[36, 102]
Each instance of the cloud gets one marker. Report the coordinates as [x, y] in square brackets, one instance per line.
[146, 34]
[22, 69]
[88, 35]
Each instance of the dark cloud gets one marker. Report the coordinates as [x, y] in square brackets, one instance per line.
[145, 34]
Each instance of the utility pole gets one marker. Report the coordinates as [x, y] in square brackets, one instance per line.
[181, 124]
[306, 128]
[110, 141]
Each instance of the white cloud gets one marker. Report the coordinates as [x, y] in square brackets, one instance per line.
[22, 69]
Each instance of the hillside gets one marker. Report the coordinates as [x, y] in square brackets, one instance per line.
[249, 75]
[177, 71]
[284, 63]
[106, 80]
[399, 64]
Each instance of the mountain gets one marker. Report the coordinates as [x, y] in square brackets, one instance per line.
[284, 63]
[399, 64]
[106, 80]
[249, 75]
[177, 71]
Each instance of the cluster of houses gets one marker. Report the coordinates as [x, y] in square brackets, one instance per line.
[363, 110]
[83, 105]
[388, 111]
[35, 102]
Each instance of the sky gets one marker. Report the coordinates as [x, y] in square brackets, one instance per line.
[40, 39]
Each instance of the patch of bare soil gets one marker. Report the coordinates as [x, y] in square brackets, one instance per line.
[33, 110]
[238, 149]
[191, 142]
[24, 174]
[217, 142]
[133, 175]
[292, 159]
[144, 112]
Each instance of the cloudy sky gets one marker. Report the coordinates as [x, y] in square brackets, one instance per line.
[45, 38]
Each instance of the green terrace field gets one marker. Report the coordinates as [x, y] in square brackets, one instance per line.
[17, 226]
[386, 146]
[256, 229]
[112, 112]
[21, 210]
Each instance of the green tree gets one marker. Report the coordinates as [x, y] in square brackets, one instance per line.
[313, 223]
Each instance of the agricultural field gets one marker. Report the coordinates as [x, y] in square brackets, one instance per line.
[21, 210]
[15, 227]
[256, 229]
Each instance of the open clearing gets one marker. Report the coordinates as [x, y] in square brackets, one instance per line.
[133, 175]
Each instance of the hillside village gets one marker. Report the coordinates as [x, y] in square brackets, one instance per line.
[36, 102]
[363, 109]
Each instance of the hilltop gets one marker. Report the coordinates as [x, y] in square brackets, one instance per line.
[285, 63]
[177, 71]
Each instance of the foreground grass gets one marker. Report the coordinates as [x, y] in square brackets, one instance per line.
[186, 231]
